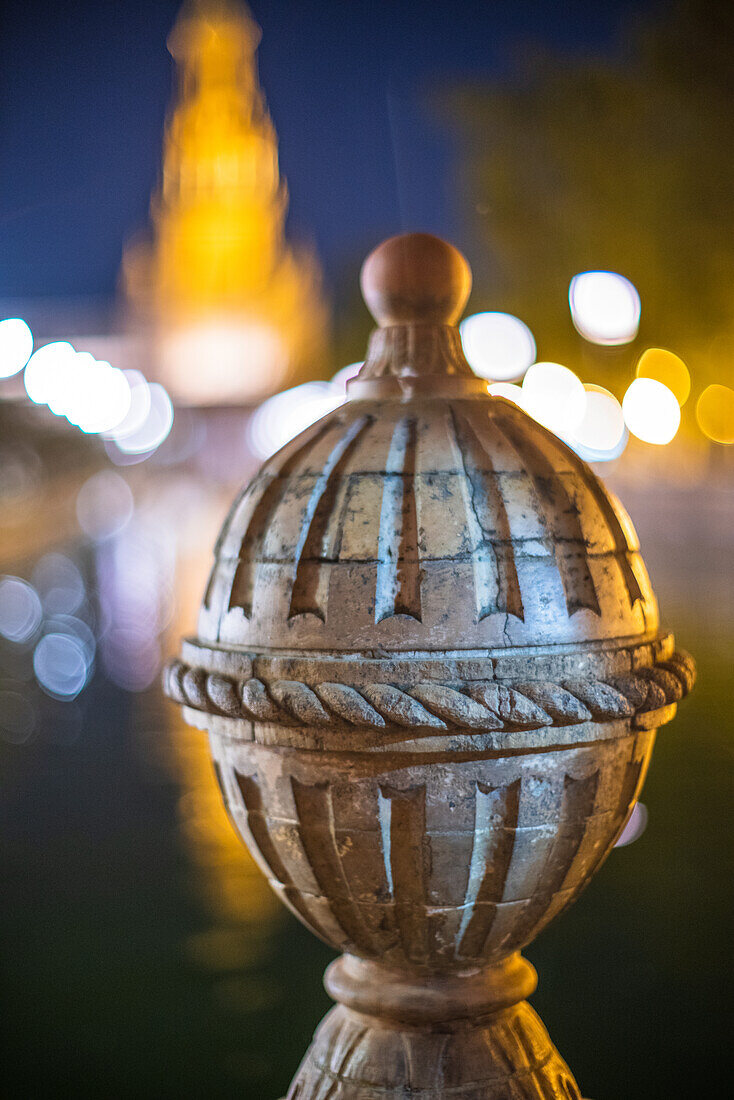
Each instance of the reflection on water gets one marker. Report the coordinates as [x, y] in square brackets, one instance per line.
[130, 902]
[243, 909]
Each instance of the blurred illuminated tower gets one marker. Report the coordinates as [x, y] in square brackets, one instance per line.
[236, 312]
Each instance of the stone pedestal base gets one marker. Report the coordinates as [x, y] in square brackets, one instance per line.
[470, 1036]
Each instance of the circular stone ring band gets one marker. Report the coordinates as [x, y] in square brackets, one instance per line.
[475, 704]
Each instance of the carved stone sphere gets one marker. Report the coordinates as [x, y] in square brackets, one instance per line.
[434, 609]
[430, 666]
[434, 524]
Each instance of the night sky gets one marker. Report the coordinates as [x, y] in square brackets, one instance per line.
[84, 88]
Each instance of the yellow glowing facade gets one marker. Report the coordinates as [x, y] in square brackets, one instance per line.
[243, 911]
[238, 312]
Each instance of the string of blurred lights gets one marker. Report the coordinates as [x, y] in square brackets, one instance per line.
[135, 416]
[132, 415]
[605, 310]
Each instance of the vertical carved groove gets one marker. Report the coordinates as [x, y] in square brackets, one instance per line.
[630, 785]
[496, 812]
[398, 568]
[604, 505]
[579, 796]
[485, 568]
[251, 549]
[307, 595]
[577, 804]
[561, 518]
[403, 815]
[496, 583]
[209, 593]
[345, 1051]
[317, 830]
[221, 539]
[570, 1088]
[258, 826]
[408, 598]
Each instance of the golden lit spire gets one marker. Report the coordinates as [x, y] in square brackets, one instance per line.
[238, 311]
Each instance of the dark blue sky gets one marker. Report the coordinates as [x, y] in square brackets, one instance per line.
[84, 88]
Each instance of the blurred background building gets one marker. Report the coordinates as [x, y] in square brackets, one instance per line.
[234, 312]
[149, 359]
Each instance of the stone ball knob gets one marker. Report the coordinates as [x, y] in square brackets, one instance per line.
[415, 278]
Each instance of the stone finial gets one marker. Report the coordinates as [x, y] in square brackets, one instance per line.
[415, 278]
[431, 669]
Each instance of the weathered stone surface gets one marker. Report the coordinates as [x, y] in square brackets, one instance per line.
[362, 1061]
[432, 704]
[602, 700]
[430, 666]
[347, 703]
[440, 865]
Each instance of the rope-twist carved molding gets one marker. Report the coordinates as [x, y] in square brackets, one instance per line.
[481, 705]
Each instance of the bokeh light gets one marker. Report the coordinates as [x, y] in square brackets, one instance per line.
[605, 307]
[507, 390]
[93, 395]
[20, 610]
[18, 717]
[136, 570]
[16, 346]
[651, 411]
[61, 665]
[282, 417]
[224, 359]
[99, 395]
[69, 389]
[155, 428]
[133, 658]
[75, 628]
[601, 435]
[666, 367]
[715, 413]
[345, 375]
[139, 406]
[498, 346]
[555, 397]
[45, 373]
[635, 826]
[104, 505]
[59, 584]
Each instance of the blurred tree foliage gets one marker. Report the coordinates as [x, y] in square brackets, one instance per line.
[621, 163]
